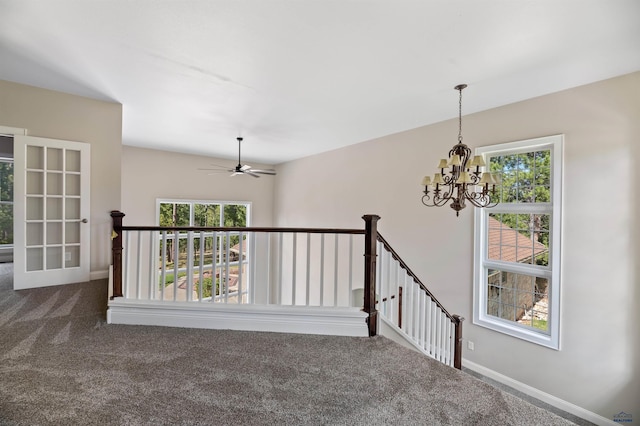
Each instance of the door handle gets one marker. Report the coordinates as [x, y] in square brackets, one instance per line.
[84, 221]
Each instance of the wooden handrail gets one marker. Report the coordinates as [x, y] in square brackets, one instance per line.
[244, 229]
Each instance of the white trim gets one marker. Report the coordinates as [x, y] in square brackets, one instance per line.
[99, 275]
[538, 394]
[552, 338]
[270, 318]
[6, 130]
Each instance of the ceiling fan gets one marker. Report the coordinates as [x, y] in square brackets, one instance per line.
[241, 169]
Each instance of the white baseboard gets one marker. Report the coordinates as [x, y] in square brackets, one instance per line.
[282, 319]
[538, 394]
[99, 275]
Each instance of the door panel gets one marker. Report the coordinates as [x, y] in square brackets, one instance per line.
[51, 210]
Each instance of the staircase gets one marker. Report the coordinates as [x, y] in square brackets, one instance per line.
[293, 280]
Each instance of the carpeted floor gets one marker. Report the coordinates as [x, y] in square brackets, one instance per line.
[61, 364]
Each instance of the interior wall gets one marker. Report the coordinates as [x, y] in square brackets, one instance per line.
[56, 115]
[151, 174]
[597, 367]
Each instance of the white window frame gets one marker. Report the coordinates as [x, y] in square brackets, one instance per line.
[551, 338]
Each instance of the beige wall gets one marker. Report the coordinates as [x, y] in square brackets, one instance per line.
[597, 367]
[57, 115]
[151, 174]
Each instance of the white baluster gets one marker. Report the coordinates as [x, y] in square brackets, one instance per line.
[308, 270]
[322, 269]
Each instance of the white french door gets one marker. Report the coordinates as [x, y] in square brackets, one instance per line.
[51, 211]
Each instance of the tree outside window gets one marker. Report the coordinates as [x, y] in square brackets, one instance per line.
[212, 250]
[6, 201]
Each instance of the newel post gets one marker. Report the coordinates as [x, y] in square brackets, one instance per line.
[457, 354]
[370, 244]
[116, 250]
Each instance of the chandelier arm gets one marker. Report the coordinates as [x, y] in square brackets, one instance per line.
[475, 178]
[449, 179]
[447, 195]
[442, 200]
[435, 202]
[479, 199]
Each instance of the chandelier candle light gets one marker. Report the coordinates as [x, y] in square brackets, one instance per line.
[464, 181]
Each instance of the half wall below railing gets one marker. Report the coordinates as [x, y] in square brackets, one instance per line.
[258, 278]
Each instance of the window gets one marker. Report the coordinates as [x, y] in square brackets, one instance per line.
[6, 202]
[224, 255]
[517, 243]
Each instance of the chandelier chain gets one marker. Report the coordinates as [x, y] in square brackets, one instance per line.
[460, 116]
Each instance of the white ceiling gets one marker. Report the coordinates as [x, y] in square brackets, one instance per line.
[298, 77]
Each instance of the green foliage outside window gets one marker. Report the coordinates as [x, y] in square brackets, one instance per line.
[526, 178]
[179, 214]
[6, 202]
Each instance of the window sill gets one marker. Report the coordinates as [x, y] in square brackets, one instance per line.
[519, 332]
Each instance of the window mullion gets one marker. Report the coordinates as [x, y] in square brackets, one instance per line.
[518, 268]
[520, 208]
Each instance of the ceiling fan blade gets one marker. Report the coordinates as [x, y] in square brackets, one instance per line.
[236, 173]
[245, 167]
[217, 170]
[264, 172]
[250, 173]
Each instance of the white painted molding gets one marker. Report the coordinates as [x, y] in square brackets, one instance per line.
[538, 394]
[99, 275]
[5, 130]
[272, 318]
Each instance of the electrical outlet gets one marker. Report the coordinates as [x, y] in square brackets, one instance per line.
[470, 345]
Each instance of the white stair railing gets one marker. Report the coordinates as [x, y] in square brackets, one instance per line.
[406, 305]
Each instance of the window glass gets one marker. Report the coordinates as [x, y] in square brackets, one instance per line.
[525, 177]
[206, 215]
[519, 298]
[235, 215]
[6, 201]
[223, 255]
[174, 214]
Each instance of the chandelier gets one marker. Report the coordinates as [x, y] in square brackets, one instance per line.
[463, 181]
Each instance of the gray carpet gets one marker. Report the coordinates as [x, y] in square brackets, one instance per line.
[61, 364]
